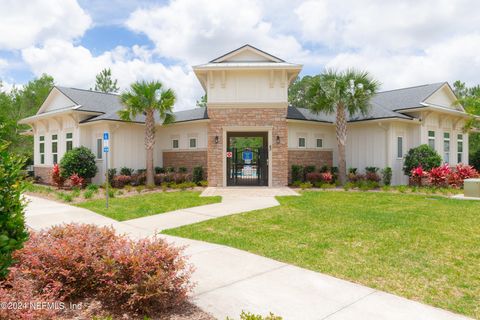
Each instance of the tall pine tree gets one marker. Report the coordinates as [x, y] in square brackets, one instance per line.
[105, 83]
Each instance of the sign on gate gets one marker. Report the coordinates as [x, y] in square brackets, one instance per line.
[229, 154]
[247, 155]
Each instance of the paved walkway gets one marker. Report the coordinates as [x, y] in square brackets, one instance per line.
[231, 280]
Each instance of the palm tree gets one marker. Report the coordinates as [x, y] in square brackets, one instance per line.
[146, 98]
[335, 92]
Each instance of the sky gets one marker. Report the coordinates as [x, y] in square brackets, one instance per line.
[401, 43]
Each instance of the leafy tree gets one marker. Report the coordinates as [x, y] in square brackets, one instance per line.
[20, 103]
[341, 93]
[146, 98]
[298, 91]
[12, 220]
[423, 156]
[105, 83]
[469, 98]
[202, 103]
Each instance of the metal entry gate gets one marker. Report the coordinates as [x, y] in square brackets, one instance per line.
[247, 167]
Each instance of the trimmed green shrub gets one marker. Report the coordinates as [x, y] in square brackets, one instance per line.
[12, 219]
[112, 172]
[80, 161]
[371, 169]
[475, 160]
[170, 169]
[92, 187]
[297, 173]
[421, 156]
[159, 170]
[125, 171]
[387, 176]
[197, 174]
[182, 170]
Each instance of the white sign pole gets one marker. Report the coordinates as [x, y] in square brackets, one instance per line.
[106, 150]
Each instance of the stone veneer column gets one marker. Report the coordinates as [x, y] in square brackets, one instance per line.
[248, 117]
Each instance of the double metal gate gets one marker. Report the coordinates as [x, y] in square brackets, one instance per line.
[247, 167]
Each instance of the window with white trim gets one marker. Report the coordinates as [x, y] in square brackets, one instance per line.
[302, 143]
[400, 147]
[54, 148]
[319, 143]
[431, 139]
[193, 143]
[446, 147]
[68, 141]
[459, 148]
[99, 148]
[41, 148]
[175, 144]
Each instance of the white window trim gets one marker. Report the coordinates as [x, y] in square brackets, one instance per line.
[68, 139]
[432, 138]
[316, 143]
[463, 147]
[403, 145]
[298, 142]
[449, 152]
[51, 146]
[101, 148]
[40, 142]
[178, 143]
[189, 142]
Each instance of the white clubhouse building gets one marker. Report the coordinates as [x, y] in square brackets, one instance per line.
[247, 93]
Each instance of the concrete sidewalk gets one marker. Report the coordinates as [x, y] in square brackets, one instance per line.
[231, 280]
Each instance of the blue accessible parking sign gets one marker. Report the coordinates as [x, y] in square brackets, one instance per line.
[247, 155]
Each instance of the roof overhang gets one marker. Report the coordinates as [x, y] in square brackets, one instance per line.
[54, 113]
[431, 107]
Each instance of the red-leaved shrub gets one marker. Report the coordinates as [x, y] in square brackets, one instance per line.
[57, 178]
[438, 176]
[76, 180]
[314, 177]
[326, 177]
[372, 176]
[74, 262]
[418, 175]
[466, 172]
[355, 177]
[121, 181]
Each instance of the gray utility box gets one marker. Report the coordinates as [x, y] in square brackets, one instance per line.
[471, 188]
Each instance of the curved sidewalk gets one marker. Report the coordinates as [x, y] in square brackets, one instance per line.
[231, 280]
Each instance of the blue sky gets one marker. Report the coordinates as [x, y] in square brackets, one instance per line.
[400, 43]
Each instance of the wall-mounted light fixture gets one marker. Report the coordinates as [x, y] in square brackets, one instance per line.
[278, 139]
[216, 139]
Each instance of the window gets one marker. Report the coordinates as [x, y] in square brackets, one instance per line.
[175, 143]
[446, 147]
[319, 143]
[399, 147]
[55, 148]
[69, 141]
[42, 149]
[431, 139]
[99, 148]
[301, 142]
[193, 142]
[460, 148]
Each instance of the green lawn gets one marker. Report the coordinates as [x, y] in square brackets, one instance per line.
[425, 248]
[137, 206]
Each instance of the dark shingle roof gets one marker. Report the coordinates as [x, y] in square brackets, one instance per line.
[386, 104]
[108, 104]
[93, 100]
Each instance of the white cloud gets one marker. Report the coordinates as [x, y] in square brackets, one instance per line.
[196, 31]
[75, 66]
[387, 25]
[25, 24]
[454, 59]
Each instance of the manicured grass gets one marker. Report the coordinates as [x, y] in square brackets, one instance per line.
[421, 247]
[137, 206]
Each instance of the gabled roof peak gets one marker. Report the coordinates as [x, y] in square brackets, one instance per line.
[247, 53]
